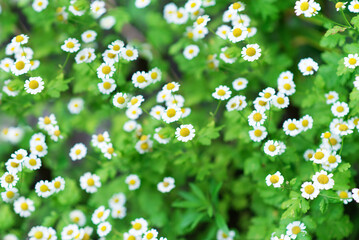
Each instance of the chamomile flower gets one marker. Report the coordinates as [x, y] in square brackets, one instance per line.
[39, 5]
[24, 207]
[135, 101]
[100, 139]
[69, 232]
[97, 8]
[118, 212]
[272, 148]
[304, 7]
[345, 196]
[38, 148]
[20, 39]
[71, 45]
[129, 53]
[150, 235]
[130, 125]
[103, 229]
[309, 190]
[55, 133]
[78, 217]
[58, 184]
[39, 233]
[227, 56]
[331, 97]
[120, 100]
[133, 112]
[107, 22]
[340, 109]
[351, 61]
[34, 85]
[175, 100]
[90, 182]
[258, 133]
[20, 66]
[191, 51]
[9, 195]
[228, 15]
[78, 152]
[308, 154]
[107, 86]
[355, 195]
[323, 180]
[307, 66]
[223, 236]
[157, 111]
[133, 182]
[294, 228]
[25, 52]
[108, 151]
[100, 215]
[34, 64]
[10, 236]
[161, 138]
[76, 105]
[261, 104]
[105, 70]
[320, 156]
[267, 93]
[236, 103]
[292, 127]
[44, 189]
[19, 155]
[141, 79]
[118, 199]
[256, 118]
[222, 93]
[223, 31]
[13, 165]
[201, 21]
[280, 100]
[305, 123]
[155, 75]
[185, 133]
[9, 180]
[237, 34]
[82, 56]
[286, 87]
[171, 87]
[251, 52]
[276, 179]
[6, 63]
[144, 146]
[171, 114]
[343, 128]
[139, 226]
[332, 142]
[131, 236]
[8, 89]
[285, 76]
[354, 6]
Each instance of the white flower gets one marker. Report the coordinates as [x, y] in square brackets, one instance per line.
[139, 226]
[39, 5]
[294, 228]
[38, 148]
[100, 215]
[34, 85]
[155, 75]
[157, 111]
[129, 53]
[107, 22]
[39, 233]
[120, 100]
[276, 179]
[55, 133]
[88, 36]
[9, 180]
[20, 39]
[8, 89]
[133, 182]
[97, 8]
[118, 199]
[75, 105]
[6, 64]
[292, 127]
[222, 93]
[355, 192]
[108, 150]
[142, 3]
[78, 152]
[223, 31]
[272, 148]
[286, 86]
[351, 61]
[354, 6]
[307, 66]
[223, 236]
[105, 70]
[118, 212]
[159, 137]
[100, 139]
[141, 79]
[171, 87]
[133, 112]
[191, 51]
[150, 235]
[104, 228]
[185, 133]
[24, 207]
[193, 5]
[345, 196]
[135, 101]
[44, 189]
[227, 56]
[304, 7]
[280, 100]
[306, 122]
[71, 45]
[258, 133]
[256, 118]
[261, 104]
[331, 97]
[20, 66]
[58, 184]
[251, 52]
[356, 82]
[340, 109]
[171, 114]
[9, 195]
[14, 165]
[237, 34]
[130, 125]
[90, 182]
[236, 103]
[69, 232]
[323, 180]
[107, 86]
[166, 185]
[320, 156]
[78, 217]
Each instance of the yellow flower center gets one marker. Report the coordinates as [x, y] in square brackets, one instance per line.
[166, 184]
[14, 164]
[343, 194]
[141, 79]
[111, 55]
[333, 141]
[305, 123]
[258, 133]
[179, 14]
[144, 146]
[57, 184]
[19, 156]
[327, 135]
[266, 95]
[90, 182]
[154, 75]
[184, 132]
[44, 188]
[340, 109]
[250, 52]
[106, 85]
[309, 189]
[32, 162]
[352, 61]
[339, 4]
[343, 127]
[257, 117]
[292, 127]
[38, 235]
[70, 45]
[100, 214]
[272, 148]
[149, 235]
[9, 178]
[221, 92]
[274, 179]
[287, 86]
[106, 69]
[332, 159]
[262, 103]
[304, 6]
[116, 47]
[237, 32]
[33, 84]
[129, 53]
[280, 100]
[24, 206]
[20, 65]
[110, 150]
[236, 5]
[19, 38]
[47, 120]
[10, 194]
[131, 238]
[171, 112]
[318, 155]
[170, 86]
[39, 148]
[120, 100]
[103, 228]
[323, 179]
[76, 219]
[57, 133]
[137, 226]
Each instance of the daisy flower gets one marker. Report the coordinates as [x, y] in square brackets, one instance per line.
[345, 196]
[129, 53]
[142, 3]
[107, 22]
[304, 7]
[256, 118]
[130, 125]
[150, 234]
[355, 195]
[155, 75]
[261, 104]
[157, 111]
[251, 52]
[110, 57]
[39, 233]
[105, 70]
[118, 199]
[159, 137]
[39, 5]
[100, 215]
[236, 103]
[34, 64]
[133, 112]
[222, 93]
[118, 212]
[90, 182]
[78, 217]
[185, 133]
[103, 229]
[305, 123]
[286, 87]
[340, 109]
[100, 139]
[320, 156]
[47, 122]
[223, 236]
[120, 100]
[171, 87]
[69, 232]
[6, 64]
[19, 155]
[191, 51]
[193, 5]
[71, 45]
[8, 89]
[223, 31]
[276, 179]
[272, 148]
[237, 34]
[97, 8]
[9, 180]
[227, 56]
[38, 148]
[20, 66]
[323, 180]
[24, 207]
[107, 86]
[34, 85]
[88, 36]
[135, 101]
[171, 114]
[292, 127]
[20, 39]
[166, 185]
[307, 66]
[58, 184]
[55, 133]
[287, 75]
[331, 97]
[78, 152]
[258, 133]
[343, 128]
[175, 100]
[241, 20]
[133, 182]
[354, 6]
[280, 100]
[351, 61]
[108, 150]
[44, 189]
[10, 195]
[141, 79]
[116, 46]
[76, 105]
[13, 165]
[144, 146]
[139, 226]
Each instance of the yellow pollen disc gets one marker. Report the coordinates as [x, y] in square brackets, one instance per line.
[144, 146]
[352, 61]
[19, 156]
[327, 135]
[343, 127]
[149, 235]
[304, 6]
[39, 4]
[258, 133]
[250, 52]
[137, 226]
[221, 92]
[193, 5]
[129, 53]
[10, 194]
[7, 65]
[120, 100]
[332, 159]
[287, 86]
[32, 162]
[39, 148]
[38, 235]
[309, 68]
[237, 32]
[132, 182]
[262, 103]
[170, 86]
[141, 79]
[272, 148]
[343, 194]
[134, 101]
[171, 112]
[330, 97]
[323, 179]
[236, 5]
[33, 84]
[57, 184]
[131, 238]
[166, 184]
[340, 109]
[103, 228]
[356, 121]
[106, 69]
[280, 100]
[274, 179]
[179, 14]
[44, 188]
[154, 75]
[99, 214]
[70, 45]
[100, 138]
[267, 95]
[224, 235]
[69, 232]
[19, 38]
[24, 206]
[309, 189]
[257, 117]
[116, 47]
[78, 151]
[57, 133]
[339, 4]
[191, 51]
[106, 85]
[47, 120]
[318, 155]
[111, 55]
[14, 164]
[333, 141]
[76, 219]
[184, 132]
[90, 182]
[292, 127]
[305, 123]
[20, 65]
[110, 150]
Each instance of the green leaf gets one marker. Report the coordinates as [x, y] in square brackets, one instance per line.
[221, 223]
